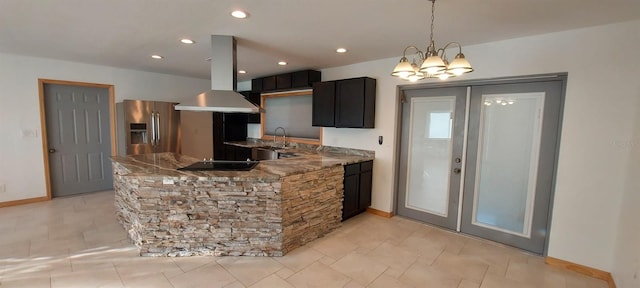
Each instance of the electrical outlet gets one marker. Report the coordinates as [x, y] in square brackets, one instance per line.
[3, 188]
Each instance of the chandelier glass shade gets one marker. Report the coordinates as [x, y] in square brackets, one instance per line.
[433, 63]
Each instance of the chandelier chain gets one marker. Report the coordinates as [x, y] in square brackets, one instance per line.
[433, 7]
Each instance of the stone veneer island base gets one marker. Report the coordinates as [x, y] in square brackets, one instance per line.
[268, 211]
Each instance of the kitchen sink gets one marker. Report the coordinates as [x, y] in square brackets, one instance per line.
[270, 153]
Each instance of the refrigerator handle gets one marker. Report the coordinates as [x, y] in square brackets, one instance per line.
[153, 130]
[157, 127]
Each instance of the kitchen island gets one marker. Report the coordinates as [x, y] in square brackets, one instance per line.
[267, 211]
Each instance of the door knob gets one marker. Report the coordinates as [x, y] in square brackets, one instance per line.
[456, 170]
[51, 150]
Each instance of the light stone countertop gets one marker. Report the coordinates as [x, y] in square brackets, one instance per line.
[164, 165]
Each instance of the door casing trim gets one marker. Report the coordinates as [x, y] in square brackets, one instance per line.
[43, 121]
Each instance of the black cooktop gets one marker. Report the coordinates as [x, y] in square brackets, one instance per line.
[221, 165]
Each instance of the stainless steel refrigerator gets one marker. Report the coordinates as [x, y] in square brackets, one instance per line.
[147, 127]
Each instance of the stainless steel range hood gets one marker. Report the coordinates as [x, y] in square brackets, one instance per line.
[222, 96]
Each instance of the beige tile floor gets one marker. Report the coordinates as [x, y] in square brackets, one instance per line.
[77, 242]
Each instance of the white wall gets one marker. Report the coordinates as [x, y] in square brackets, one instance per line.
[21, 168]
[626, 265]
[600, 106]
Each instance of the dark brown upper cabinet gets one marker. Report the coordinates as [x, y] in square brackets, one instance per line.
[253, 97]
[323, 104]
[256, 85]
[268, 83]
[283, 81]
[287, 81]
[354, 103]
[305, 78]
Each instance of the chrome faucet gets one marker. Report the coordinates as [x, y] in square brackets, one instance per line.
[284, 136]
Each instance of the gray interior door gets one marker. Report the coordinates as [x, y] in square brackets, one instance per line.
[510, 167]
[431, 155]
[79, 138]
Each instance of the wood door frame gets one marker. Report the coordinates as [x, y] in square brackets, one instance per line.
[43, 121]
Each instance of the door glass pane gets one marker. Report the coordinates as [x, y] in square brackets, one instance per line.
[430, 154]
[510, 132]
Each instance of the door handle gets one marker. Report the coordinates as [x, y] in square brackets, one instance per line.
[51, 150]
[153, 130]
[456, 170]
[157, 127]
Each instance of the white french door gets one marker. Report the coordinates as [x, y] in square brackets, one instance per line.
[480, 159]
[431, 159]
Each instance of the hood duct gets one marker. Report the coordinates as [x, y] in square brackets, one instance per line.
[222, 96]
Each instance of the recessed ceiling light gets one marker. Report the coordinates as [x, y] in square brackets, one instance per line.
[187, 41]
[156, 57]
[242, 72]
[239, 14]
[341, 50]
[282, 63]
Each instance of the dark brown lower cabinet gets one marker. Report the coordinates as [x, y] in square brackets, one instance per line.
[237, 153]
[366, 177]
[357, 188]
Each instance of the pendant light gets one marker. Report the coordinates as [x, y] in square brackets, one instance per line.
[433, 63]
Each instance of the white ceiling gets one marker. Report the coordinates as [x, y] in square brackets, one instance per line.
[305, 33]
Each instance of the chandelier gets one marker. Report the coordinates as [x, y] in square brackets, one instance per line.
[433, 63]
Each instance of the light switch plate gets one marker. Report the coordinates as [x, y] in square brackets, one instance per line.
[29, 133]
[3, 188]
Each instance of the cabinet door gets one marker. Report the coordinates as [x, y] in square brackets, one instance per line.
[283, 81]
[355, 103]
[304, 78]
[323, 106]
[219, 148]
[350, 103]
[237, 153]
[364, 200]
[255, 99]
[300, 79]
[256, 85]
[350, 201]
[229, 152]
[269, 83]
[235, 126]
[242, 153]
